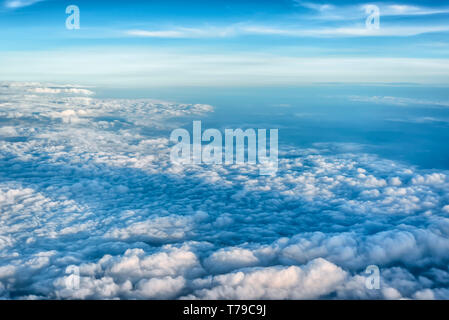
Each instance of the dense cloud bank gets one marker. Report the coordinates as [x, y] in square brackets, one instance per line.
[86, 184]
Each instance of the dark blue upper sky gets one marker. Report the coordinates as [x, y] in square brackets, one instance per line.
[173, 42]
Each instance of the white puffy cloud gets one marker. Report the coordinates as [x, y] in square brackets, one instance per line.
[87, 185]
[314, 280]
[230, 259]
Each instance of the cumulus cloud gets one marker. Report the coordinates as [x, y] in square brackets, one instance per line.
[87, 186]
[318, 278]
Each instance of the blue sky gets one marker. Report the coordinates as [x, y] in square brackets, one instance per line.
[223, 43]
[87, 184]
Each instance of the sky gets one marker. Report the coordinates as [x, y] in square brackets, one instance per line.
[87, 188]
[224, 43]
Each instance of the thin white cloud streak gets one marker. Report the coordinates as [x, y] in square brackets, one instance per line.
[260, 30]
[144, 68]
[410, 10]
[399, 101]
[354, 15]
[349, 31]
[15, 4]
[211, 32]
[332, 12]
[157, 34]
[315, 6]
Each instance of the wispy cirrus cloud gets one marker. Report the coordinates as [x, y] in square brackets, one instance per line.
[410, 10]
[181, 32]
[315, 6]
[400, 101]
[291, 31]
[15, 4]
[336, 21]
[329, 11]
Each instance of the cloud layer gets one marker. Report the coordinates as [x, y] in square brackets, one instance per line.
[86, 184]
